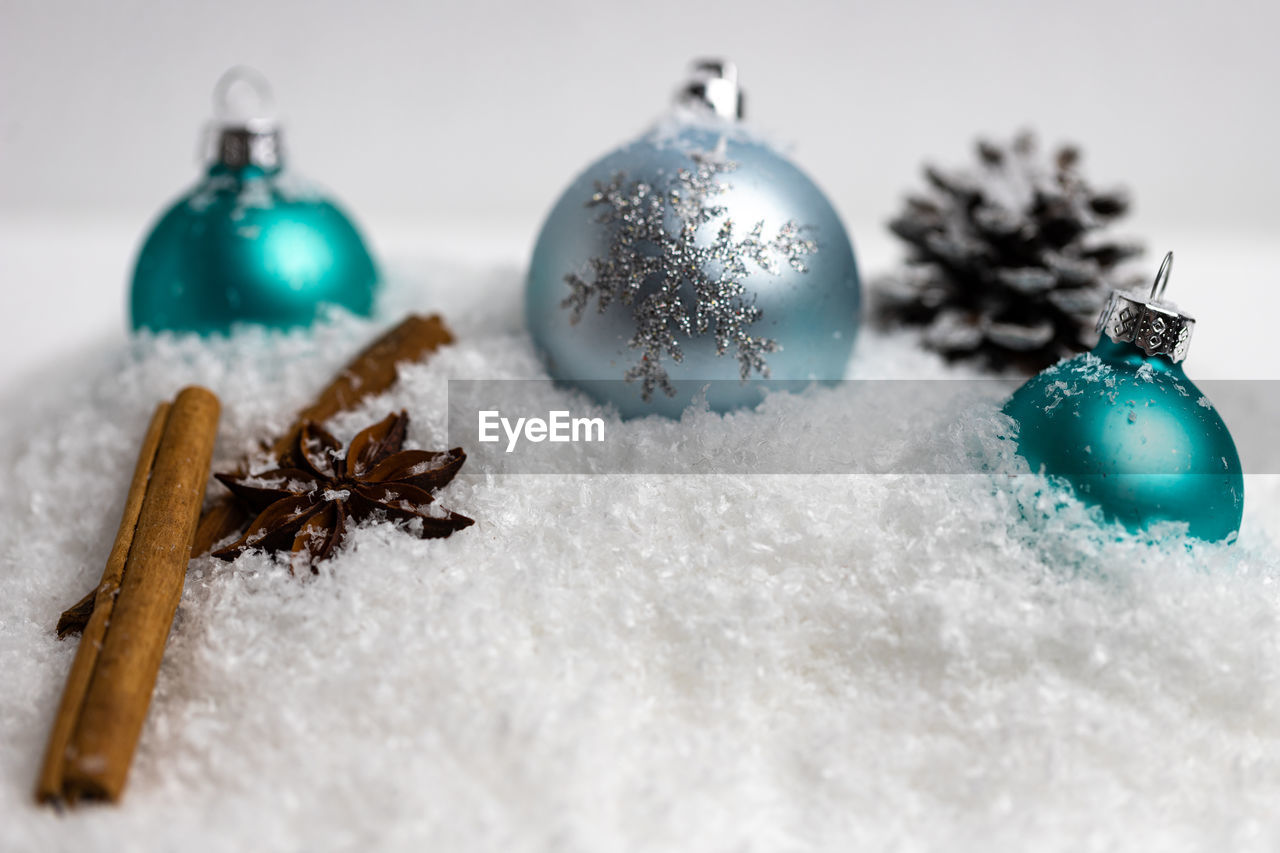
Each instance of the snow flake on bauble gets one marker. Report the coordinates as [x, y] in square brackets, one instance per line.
[676, 284]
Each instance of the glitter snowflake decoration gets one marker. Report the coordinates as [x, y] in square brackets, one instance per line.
[656, 270]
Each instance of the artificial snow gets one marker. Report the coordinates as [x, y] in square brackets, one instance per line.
[606, 662]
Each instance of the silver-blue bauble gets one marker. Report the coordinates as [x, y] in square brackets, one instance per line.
[753, 219]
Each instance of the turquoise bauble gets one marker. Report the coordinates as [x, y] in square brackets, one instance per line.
[695, 254]
[1129, 431]
[249, 244]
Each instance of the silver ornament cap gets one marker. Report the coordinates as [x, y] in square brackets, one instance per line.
[245, 130]
[1155, 328]
[713, 85]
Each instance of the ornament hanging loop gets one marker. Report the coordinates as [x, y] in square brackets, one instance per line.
[243, 97]
[1162, 278]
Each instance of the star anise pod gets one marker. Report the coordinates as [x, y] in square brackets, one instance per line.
[305, 505]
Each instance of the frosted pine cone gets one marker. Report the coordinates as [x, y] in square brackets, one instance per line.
[1007, 260]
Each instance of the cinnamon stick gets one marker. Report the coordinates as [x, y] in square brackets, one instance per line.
[49, 785]
[108, 717]
[371, 372]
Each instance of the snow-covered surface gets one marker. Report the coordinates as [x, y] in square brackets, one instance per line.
[644, 662]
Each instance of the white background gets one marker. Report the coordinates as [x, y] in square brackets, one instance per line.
[439, 122]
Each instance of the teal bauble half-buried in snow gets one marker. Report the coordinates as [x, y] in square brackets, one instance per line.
[1128, 430]
[695, 257]
[250, 243]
